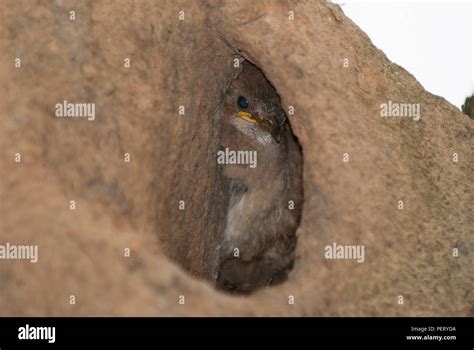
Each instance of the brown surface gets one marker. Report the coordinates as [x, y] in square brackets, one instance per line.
[134, 204]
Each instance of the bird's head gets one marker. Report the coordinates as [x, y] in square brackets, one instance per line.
[259, 118]
[254, 107]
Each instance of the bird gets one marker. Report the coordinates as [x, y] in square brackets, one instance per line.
[257, 247]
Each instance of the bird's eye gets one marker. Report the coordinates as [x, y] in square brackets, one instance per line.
[243, 102]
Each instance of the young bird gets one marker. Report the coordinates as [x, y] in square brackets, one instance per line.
[264, 202]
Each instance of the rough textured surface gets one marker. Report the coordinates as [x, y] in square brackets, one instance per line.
[189, 63]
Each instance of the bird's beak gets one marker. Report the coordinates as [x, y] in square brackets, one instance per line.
[274, 130]
[247, 116]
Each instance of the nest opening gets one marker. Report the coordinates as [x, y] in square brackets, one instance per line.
[261, 163]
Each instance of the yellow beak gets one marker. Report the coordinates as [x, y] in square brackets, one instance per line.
[247, 116]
